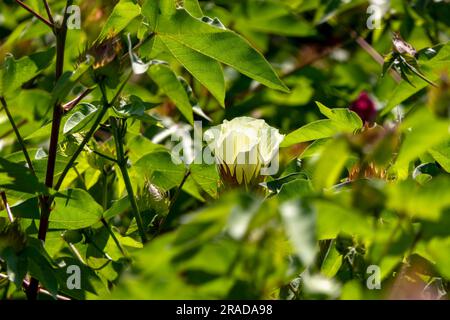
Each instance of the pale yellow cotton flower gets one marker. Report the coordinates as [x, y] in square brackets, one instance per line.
[242, 147]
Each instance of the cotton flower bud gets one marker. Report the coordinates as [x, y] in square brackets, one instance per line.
[245, 150]
[365, 108]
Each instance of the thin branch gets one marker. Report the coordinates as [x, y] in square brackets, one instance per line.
[113, 236]
[37, 15]
[373, 53]
[8, 132]
[49, 12]
[105, 156]
[80, 176]
[122, 163]
[80, 148]
[177, 193]
[73, 103]
[90, 133]
[117, 95]
[18, 136]
[60, 34]
[105, 207]
[173, 200]
[26, 284]
[7, 207]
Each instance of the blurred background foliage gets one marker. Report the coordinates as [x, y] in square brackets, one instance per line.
[350, 192]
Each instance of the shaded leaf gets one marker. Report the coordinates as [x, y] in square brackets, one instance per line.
[75, 209]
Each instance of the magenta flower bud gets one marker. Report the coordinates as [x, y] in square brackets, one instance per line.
[365, 108]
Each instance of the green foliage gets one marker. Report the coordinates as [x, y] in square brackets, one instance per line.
[75, 209]
[93, 125]
[339, 120]
[167, 81]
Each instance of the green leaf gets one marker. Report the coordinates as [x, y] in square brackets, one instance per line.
[423, 131]
[28, 209]
[206, 177]
[117, 207]
[193, 7]
[330, 165]
[319, 129]
[168, 82]
[41, 269]
[294, 189]
[426, 202]
[276, 185]
[68, 80]
[205, 69]
[388, 63]
[123, 13]
[79, 118]
[15, 176]
[75, 209]
[159, 168]
[441, 154]
[333, 218]
[217, 43]
[272, 17]
[16, 265]
[339, 120]
[431, 68]
[438, 249]
[16, 72]
[90, 280]
[136, 108]
[332, 261]
[152, 9]
[139, 146]
[346, 118]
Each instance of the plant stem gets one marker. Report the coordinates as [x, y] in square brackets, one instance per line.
[105, 190]
[26, 284]
[58, 111]
[177, 193]
[7, 207]
[116, 241]
[49, 12]
[60, 33]
[373, 53]
[105, 207]
[104, 156]
[37, 15]
[71, 104]
[173, 200]
[91, 131]
[18, 136]
[80, 148]
[122, 163]
[20, 124]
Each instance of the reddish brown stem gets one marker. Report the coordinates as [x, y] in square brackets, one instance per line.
[37, 15]
[61, 33]
[374, 54]
[49, 12]
[73, 103]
